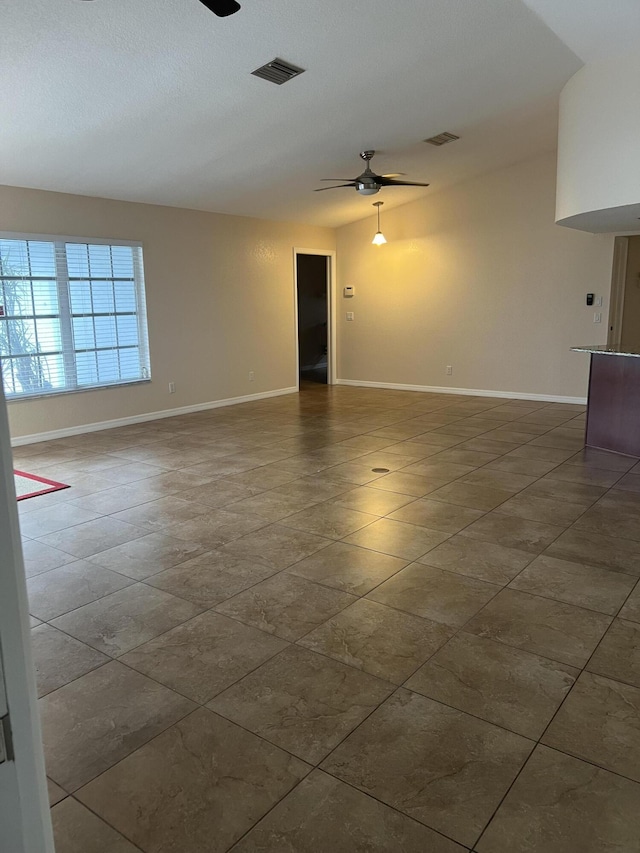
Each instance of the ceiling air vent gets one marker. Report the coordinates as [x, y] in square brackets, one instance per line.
[442, 138]
[278, 71]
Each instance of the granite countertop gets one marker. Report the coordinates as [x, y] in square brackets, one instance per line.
[605, 350]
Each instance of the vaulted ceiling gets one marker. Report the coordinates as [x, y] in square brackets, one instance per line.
[153, 100]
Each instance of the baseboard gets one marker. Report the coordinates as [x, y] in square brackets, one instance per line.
[21, 440]
[467, 392]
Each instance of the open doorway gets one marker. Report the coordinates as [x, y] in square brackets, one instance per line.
[314, 303]
[624, 313]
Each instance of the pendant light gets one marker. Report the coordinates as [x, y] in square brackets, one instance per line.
[378, 238]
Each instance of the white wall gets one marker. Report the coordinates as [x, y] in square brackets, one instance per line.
[478, 277]
[219, 298]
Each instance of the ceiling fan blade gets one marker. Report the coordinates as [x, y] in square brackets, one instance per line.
[394, 175]
[221, 8]
[339, 186]
[338, 179]
[390, 182]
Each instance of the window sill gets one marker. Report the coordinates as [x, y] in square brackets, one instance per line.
[112, 387]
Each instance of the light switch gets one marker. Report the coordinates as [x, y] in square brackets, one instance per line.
[349, 315]
[597, 317]
[599, 301]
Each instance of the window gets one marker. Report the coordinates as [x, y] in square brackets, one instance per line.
[72, 315]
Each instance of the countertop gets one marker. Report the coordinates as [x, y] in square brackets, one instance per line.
[603, 349]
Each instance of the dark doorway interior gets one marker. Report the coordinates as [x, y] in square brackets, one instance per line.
[312, 317]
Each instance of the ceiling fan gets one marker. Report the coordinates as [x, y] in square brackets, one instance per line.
[368, 183]
[221, 8]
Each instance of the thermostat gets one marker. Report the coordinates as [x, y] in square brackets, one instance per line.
[349, 291]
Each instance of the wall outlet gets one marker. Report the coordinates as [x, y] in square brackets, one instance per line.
[349, 315]
[252, 376]
[448, 370]
[172, 387]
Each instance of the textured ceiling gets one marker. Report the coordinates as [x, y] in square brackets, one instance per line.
[153, 100]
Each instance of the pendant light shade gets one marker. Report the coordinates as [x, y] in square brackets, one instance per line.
[378, 238]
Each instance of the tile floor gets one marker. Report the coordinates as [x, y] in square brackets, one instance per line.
[249, 637]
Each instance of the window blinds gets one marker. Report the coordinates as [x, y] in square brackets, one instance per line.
[72, 316]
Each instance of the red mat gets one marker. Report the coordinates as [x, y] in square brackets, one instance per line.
[26, 485]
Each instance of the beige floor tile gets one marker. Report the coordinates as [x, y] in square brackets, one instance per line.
[405, 484]
[216, 494]
[436, 764]
[435, 594]
[603, 459]
[600, 722]
[505, 480]
[435, 515]
[171, 796]
[60, 659]
[512, 688]
[55, 793]
[56, 592]
[586, 586]
[51, 519]
[260, 479]
[612, 518]
[559, 490]
[39, 558]
[90, 724]
[589, 475]
[439, 472]
[607, 552]
[276, 547]
[147, 556]
[552, 629]
[513, 532]
[474, 495]
[407, 541]
[329, 520]
[315, 489]
[125, 619]
[466, 456]
[631, 609]
[486, 561]
[157, 515]
[542, 509]
[378, 640]
[210, 579]
[204, 656]
[518, 465]
[618, 655]
[374, 501]
[546, 454]
[77, 830]
[216, 527]
[322, 813]
[347, 567]
[285, 605]
[271, 506]
[561, 805]
[84, 540]
[302, 702]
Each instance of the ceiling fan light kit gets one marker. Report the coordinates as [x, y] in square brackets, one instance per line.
[378, 238]
[368, 183]
[221, 8]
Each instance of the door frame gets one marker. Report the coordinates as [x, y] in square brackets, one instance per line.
[330, 254]
[618, 286]
[24, 803]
